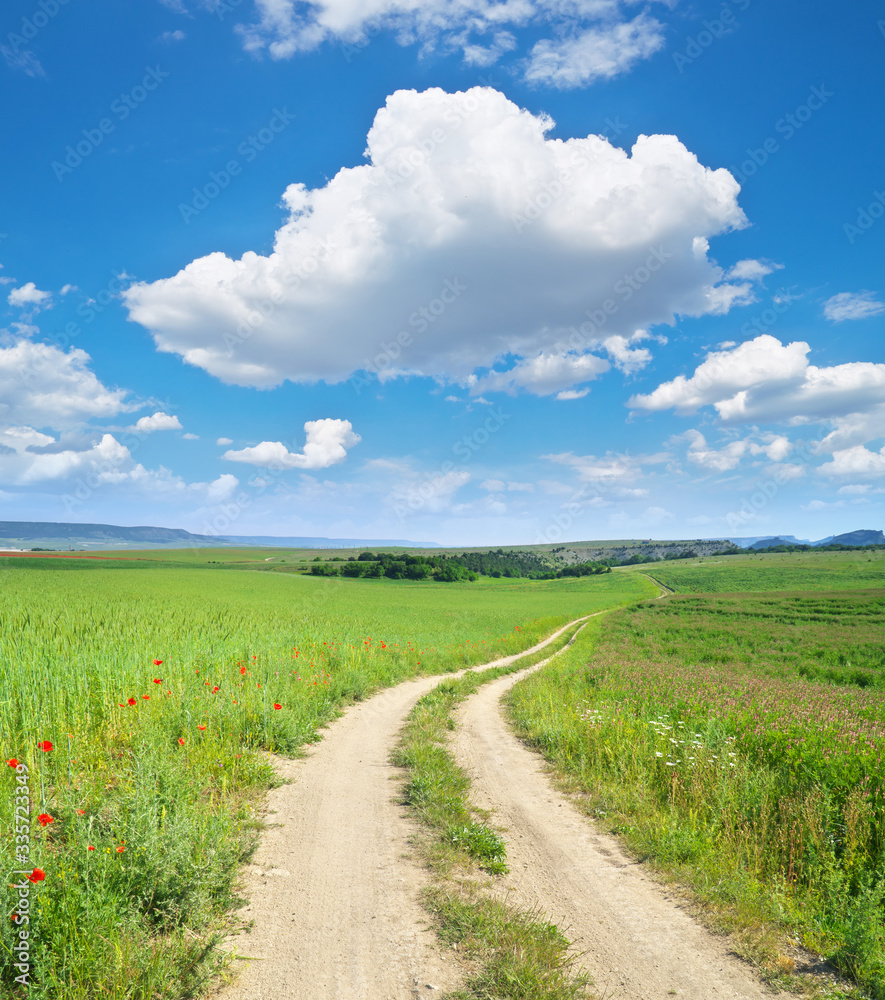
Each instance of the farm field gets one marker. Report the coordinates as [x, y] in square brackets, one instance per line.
[735, 740]
[138, 701]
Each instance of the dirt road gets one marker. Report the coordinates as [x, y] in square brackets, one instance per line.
[638, 944]
[334, 896]
[334, 889]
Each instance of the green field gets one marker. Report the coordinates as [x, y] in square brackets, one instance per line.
[148, 792]
[735, 740]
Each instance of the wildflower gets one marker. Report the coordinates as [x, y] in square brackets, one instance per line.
[37, 875]
[181, 740]
[242, 670]
[45, 746]
[12, 762]
[214, 689]
[277, 706]
[120, 849]
[44, 819]
[157, 663]
[146, 697]
[201, 727]
[81, 812]
[158, 680]
[90, 848]
[130, 701]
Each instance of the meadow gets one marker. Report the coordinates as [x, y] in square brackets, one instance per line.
[139, 702]
[733, 735]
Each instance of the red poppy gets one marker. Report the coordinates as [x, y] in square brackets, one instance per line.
[214, 689]
[157, 663]
[37, 875]
[254, 657]
[158, 680]
[277, 706]
[242, 670]
[181, 740]
[44, 819]
[146, 697]
[81, 812]
[13, 762]
[13, 917]
[45, 746]
[201, 727]
[120, 849]
[90, 848]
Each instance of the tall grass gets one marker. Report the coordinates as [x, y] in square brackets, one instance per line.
[161, 691]
[692, 731]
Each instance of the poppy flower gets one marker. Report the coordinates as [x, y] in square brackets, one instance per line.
[181, 740]
[45, 746]
[146, 697]
[13, 762]
[201, 727]
[13, 917]
[90, 848]
[157, 663]
[158, 680]
[242, 670]
[277, 706]
[81, 812]
[44, 819]
[120, 849]
[214, 689]
[37, 875]
[130, 701]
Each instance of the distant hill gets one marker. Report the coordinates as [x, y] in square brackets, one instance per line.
[64, 535]
[865, 536]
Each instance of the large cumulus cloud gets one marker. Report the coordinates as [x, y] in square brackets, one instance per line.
[467, 236]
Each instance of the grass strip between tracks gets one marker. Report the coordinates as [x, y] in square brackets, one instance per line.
[512, 954]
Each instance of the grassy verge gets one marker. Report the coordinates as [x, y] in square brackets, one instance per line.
[734, 742]
[513, 954]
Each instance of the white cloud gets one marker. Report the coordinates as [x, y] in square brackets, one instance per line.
[607, 470]
[594, 54]
[67, 289]
[593, 38]
[22, 59]
[852, 305]
[29, 295]
[173, 36]
[327, 443]
[774, 447]
[629, 359]
[568, 394]
[190, 437]
[224, 441]
[158, 422]
[47, 387]
[542, 375]
[857, 462]
[421, 239]
[763, 380]
[751, 270]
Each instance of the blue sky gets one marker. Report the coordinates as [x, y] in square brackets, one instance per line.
[465, 271]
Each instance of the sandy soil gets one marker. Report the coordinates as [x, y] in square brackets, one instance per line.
[334, 888]
[334, 912]
[637, 943]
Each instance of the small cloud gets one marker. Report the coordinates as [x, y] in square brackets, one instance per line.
[25, 61]
[751, 270]
[327, 444]
[452, 399]
[68, 288]
[29, 295]
[572, 394]
[852, 305]
[158, 422]
[173, 36]
[224, 441]
[190, 437]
